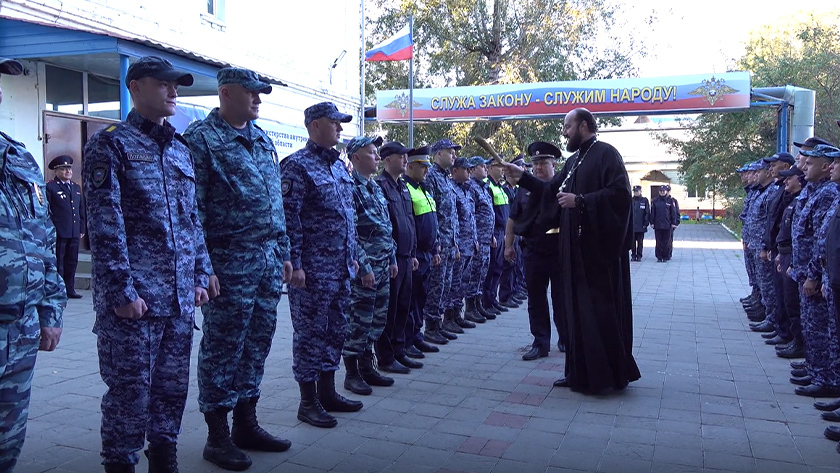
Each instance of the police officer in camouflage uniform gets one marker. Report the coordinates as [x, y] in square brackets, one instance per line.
[747, 178]
[819, 329]
[371, 289]
[485, 220]
[318, 201]
[440, 276]
[32, 296]
[150, 269]
[756, 221]
[241, 207]
[467, 239]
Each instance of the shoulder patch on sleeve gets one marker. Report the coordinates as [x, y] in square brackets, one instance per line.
[110, 128]
[285, 186]
[99, 174]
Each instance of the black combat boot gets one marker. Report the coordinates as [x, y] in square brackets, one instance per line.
[432, 333]
[369, 373]
[471, 311]
[219, 448]
[459, 316]
[449, 323]
[310, 409]
[353, 381]
[331, 400]
[120, 468]
[163, 458]
[246, 432]
[489, 314]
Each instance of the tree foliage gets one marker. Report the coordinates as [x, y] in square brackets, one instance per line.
[483, 42]
[803, 51]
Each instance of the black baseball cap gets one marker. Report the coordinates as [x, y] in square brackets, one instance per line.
[157, 68]
[812, 142]
[794, 171]
[393, 147]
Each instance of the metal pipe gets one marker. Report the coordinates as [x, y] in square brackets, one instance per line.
[125, 98]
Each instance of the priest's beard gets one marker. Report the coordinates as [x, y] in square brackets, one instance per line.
[573, 144]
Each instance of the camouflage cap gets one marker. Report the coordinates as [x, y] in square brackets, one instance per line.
[444, 144]
[519, 161]
[158, 68]
[324, 109]
[461, 163]
[637, 188]
[10, 67]
[478, 161]
[244, 77]
[360, 142]
[820, 151]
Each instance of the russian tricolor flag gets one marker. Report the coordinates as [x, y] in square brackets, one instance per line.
[399, 47]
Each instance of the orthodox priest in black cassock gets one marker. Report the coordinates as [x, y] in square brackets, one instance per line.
[591, 200]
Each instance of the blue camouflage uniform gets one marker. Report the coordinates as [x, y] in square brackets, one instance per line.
[31, 291]
[440, 277]
[467, 241]
[241, 207]
[318, 201]
[377, 252]
[757, 219]
[749, 256]
[146, 242]
[817, 320]
[484, 222]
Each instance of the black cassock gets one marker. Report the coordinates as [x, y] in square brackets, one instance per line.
[594, 254]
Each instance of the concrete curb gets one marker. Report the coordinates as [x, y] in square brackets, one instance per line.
[730, 231]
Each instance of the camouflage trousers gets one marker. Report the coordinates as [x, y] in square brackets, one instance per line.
[819, 332]
[749, 263]
[238, 325]
[764, 274]
[460, 281]
[18, 349]
[319, 319]
[477, 272]
[368, 310]
[146, 365]
[440, 284]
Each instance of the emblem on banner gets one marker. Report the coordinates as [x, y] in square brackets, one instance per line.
[400, 103]
[713, 90]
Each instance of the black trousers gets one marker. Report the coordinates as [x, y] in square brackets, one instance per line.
[392, 341]
[791, 318]
[780, 317]
[663, 239]
[835, 288]
[671, 244]
[541, 273]
[67, 260]
[490, 288]
[419, 284]
[638, 244]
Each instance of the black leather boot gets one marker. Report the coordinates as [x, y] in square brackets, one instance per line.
[219, 448]
[489, 314]
[449, 324]
[432, 333]
[459, 316]
[471, 311]
[330, 399]
[163, 458]
[246, 432]
[368, 371]
[310, 409]
[353, 381]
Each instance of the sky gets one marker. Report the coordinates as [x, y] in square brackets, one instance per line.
[696, 37]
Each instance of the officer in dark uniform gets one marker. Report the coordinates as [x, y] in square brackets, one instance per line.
[501, 209]
[789, 321]
[509, 282]
[68, 215]
[664, 218]
[391, 349]
[641, 220]
[426, 226]
[540, 253]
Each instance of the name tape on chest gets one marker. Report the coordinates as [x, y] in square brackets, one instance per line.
[140, 158]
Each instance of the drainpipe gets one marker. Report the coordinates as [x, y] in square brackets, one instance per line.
[125, 99]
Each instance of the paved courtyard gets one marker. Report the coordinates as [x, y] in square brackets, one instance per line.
[713, 397]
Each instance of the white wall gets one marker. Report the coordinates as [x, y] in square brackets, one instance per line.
[20, 115]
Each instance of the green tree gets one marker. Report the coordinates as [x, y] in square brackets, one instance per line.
[483, 42]
[803, 51]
